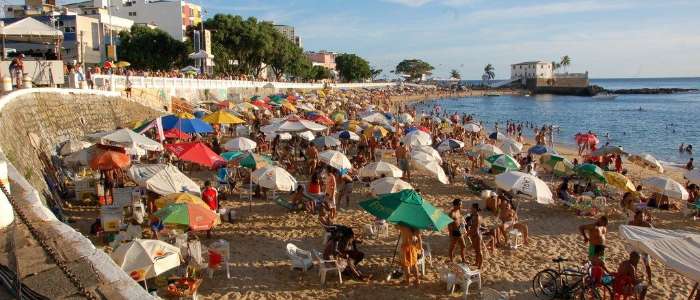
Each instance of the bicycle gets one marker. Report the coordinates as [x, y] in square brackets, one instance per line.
[568, 283]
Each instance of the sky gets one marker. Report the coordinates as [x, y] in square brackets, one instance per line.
[607, 38]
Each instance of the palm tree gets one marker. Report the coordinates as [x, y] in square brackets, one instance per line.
[488, 73]
[565, 61]
[455, 74]
[555, 66]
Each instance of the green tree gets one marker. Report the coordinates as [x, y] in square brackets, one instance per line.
[151, 49]
[414, 68]
[375, 73]
[352, 67]
[455, 74]
[285, 56]
[319, 73]
[555, 66]
[565, 61]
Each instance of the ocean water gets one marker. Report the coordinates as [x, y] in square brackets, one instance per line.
[662, 124]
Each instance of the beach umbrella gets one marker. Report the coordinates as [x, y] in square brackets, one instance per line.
[240, 144]
[193, 216]
[511, 147]
[693, 176]
[242, 130]
[347, 135]
[284, 136]
[666, 186]
[82, 157]
[231, 155]
[184, 115]
[375, 118]
[388, 185]
[274, 178]
[540, 150]
[122, 64]
[590, 172]
[607, 150]
[428, 150]
[162, 179]
[417, 138]
[471, 127]
[619, 181]
[405, 118]
[527, 184]
[144, 259]
[335, 159]
[109, 160]
[497, 136]
[322, 119]
[197, 153]
[326, 141]
[503, 162]
[306, 107]
[431, 166]
[246, 106]
[557, 164]
[646, 160]
[295, 124]
[290, 106]
[222, 117]
[377, 169]
[377, 132]
[307, 135]
[253, 161]
[487, 150]
[174, 133]
[186, 125]
[127, 138]
[339, 116]
[586, 138]
[407, 208]
[72, 146]
[175, 198]
[450, 144]
[261, 104]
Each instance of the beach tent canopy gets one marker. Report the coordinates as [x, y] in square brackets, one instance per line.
[676, 249]
[162, 179]
[201, 54]
[30, 30]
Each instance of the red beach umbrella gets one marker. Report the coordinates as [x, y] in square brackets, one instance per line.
[174, 133]
[586, 138]
[322, 119]
[261, 104]
[197, 153]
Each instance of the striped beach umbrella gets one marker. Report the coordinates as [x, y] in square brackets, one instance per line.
[196, 217]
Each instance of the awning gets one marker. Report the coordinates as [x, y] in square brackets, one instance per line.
[30, 30]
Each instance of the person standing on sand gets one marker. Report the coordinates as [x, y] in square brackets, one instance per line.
[401, 153]
[312, 156]
[473, 228]
[456, 230]
[411, 246]
[596, 235]
[331, 190]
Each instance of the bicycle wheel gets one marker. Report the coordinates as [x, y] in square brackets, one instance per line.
[595, 292]
[546, 284]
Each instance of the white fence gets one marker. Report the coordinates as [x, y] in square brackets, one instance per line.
[119, 82]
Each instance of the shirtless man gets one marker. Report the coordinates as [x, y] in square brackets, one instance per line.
[402, 160]
[509, 218]
[312, 157]
[474, 223]
[627, 271]
[456, 229]
[596, 234]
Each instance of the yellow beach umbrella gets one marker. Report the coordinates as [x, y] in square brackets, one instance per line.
[619, 181]
[179, 198]
[222, 117]
[289, 106]
[375, 131]
[338, 117]
[184, 115]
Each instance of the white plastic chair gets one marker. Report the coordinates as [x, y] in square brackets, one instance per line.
[301, 259]
[376, 230]
[324, 266]
[447, 276]
[465, 278]
[222, 248]
[514, 238]
[427, 256]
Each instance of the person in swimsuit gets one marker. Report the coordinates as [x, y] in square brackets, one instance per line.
[312, 157]
[626, 281]
[331, 191]
[473, 227]
[457, 229]
[402, 160]
[509, 218]
[596, 234]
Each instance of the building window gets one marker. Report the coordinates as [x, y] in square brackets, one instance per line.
[132, 14]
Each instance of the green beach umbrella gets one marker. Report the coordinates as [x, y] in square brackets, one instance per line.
[277, 99]
[557, 164]
[407, 208]
[503, 162]
[254, 161]
[590, 172]
[194, 216]
[231, 155]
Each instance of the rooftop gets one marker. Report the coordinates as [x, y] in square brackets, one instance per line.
[536, 62]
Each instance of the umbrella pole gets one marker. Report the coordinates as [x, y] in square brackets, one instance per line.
[396, 248]
[250, 195]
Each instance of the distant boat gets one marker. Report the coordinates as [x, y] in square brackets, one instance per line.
[492, 94]
[605, 96]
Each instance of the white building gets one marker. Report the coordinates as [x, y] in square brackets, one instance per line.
[289, 33]
[531, 69]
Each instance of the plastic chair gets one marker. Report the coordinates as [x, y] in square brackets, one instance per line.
[514, 238]
[324, 266]
[301, 259]
[219, 252]
[427, 256]
[448, 277]
[465, 278]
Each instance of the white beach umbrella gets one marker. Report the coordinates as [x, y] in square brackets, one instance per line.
[143, 259]
[471, 127]
[511, 147]
[388, 185]
[666, 186]
[72, 146]
[129, 139]
[526, 184]
[429, 150]
[306, 106]
[295, 124]
[240, 144]
[377, 169]
[693, 176]
[433, 167]
[487, 150]
[307, 135]
[274, 178]
[375, 118]
[405, 118]
[646, 160]
[418, 138]
[162, 179]
[450, 144]
[335, 159]
[284, 136]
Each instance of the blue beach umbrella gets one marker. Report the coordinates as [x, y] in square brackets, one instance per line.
[186, 125]
[540, 149]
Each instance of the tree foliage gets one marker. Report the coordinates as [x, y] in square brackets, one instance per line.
[151, 49]
[375, 73]
[319, 73]
[414, 68]
[455, 74]
[352, 67]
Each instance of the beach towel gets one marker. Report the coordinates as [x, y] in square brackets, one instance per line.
[282, 201]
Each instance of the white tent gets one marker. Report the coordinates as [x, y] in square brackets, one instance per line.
[162, 179]
[201, 54]
[676, 249]
[30, 30]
